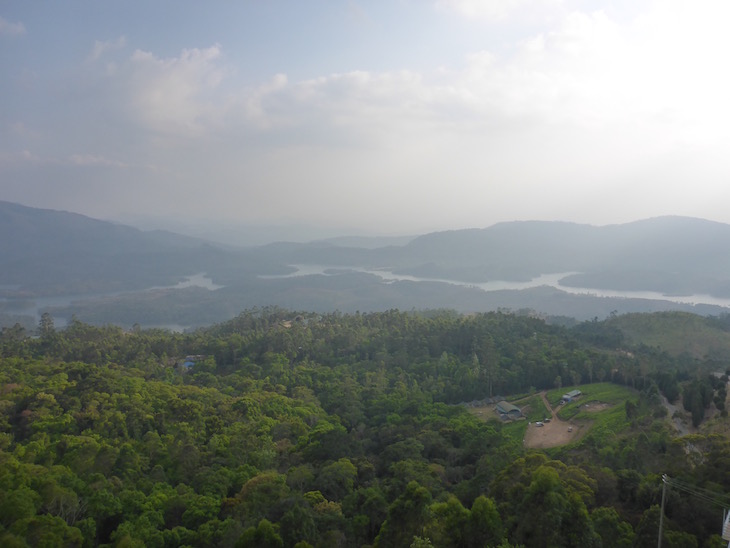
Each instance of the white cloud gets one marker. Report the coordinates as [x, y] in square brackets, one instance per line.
[92, 160]
[570, 111]
[253, 99]
[358, 103]
[542, 128]
[102, 47]
[558, 77]
[18, 158]
[572, 74]
[173, 95]
[11, 29]
[588, 71]
[497, 10]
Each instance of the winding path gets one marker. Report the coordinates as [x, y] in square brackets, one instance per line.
[543, 395]
[551, 434]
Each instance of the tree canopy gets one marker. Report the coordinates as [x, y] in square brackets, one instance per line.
[296, 429]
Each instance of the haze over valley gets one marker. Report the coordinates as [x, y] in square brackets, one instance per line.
[99, 272]
[364, 274]
[378, 118]
[439, 146]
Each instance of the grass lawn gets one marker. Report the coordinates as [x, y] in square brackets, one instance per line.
[600, 406]
[533, 409]
[603, 403]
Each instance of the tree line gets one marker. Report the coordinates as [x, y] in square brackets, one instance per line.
[301, 429]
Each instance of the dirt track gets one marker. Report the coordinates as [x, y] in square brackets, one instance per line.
[553, 433]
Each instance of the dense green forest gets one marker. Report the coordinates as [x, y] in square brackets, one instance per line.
[291, 429]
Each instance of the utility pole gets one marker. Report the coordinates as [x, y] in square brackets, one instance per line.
[661, 512]
[706, 495]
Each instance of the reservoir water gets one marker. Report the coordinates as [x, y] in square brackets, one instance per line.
[35, 306]
[549, 280]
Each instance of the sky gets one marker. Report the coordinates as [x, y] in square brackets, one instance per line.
[377, 117]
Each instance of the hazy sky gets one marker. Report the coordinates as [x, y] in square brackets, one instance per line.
[393, 116]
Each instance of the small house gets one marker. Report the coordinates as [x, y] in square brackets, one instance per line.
[507, 411]
[570, 396]
[189, 361]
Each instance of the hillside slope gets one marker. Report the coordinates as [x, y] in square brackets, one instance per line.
[673, 255]
[51, 252]
[677, 333]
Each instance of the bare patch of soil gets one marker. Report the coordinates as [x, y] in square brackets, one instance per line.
[553, 434]
[595, 406]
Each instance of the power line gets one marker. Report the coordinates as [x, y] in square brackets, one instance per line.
[706, 495]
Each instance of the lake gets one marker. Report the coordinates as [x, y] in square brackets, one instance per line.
[549, 280]
[35, 307]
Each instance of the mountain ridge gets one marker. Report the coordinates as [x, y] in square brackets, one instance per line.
[60, 253]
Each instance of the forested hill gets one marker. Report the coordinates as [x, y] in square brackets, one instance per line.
[103, 273]
[283, 429]
[47, 252]
[676, 255]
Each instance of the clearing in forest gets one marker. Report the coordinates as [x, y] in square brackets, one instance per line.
[554, 433]
[599, 403]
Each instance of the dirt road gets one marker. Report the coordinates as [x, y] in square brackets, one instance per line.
[552, 434]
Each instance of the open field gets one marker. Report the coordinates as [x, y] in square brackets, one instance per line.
[542, 435]
[554, 434]
[600, 403]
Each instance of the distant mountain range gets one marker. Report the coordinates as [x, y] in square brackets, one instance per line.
[109, 269]
[673, 255]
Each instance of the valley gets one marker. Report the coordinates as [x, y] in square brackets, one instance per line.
[103, 273]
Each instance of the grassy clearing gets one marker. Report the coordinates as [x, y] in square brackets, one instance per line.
[515, 430]
[611, 418]
[615, 396]
[533, 409]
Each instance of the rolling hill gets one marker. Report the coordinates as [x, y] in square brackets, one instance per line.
[119, 274]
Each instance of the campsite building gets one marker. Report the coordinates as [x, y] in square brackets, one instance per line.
[570, 396]
[507, 411]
